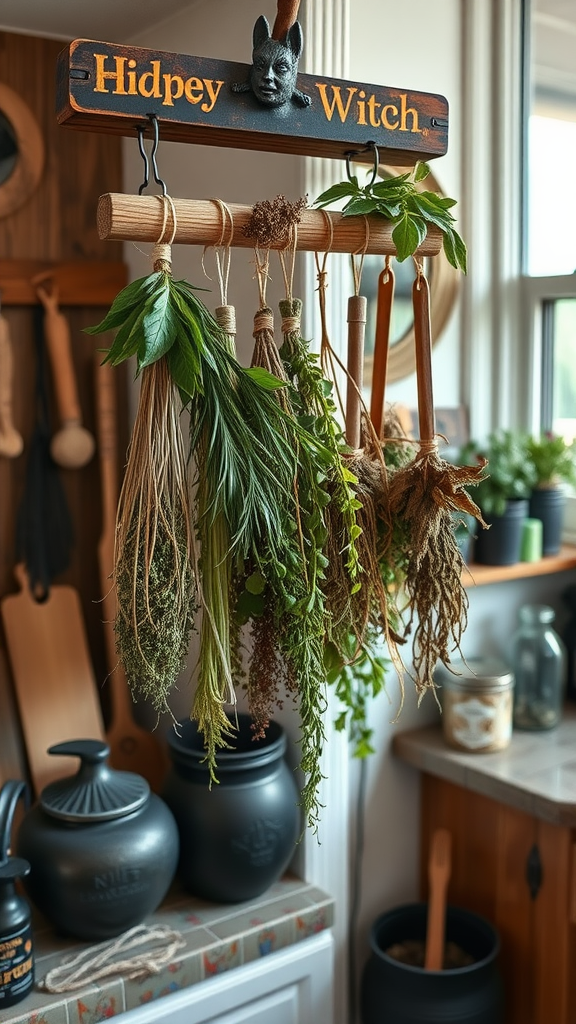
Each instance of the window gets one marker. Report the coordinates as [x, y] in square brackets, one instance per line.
[550, 202]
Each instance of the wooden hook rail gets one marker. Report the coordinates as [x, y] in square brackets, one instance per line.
[131, 218]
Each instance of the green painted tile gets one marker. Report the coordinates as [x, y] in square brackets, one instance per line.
[221, 957]
[96, 1003]
[268, 938]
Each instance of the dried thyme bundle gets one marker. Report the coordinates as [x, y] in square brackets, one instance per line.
[153, 570]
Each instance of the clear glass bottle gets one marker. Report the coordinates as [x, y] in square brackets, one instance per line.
[539, 664]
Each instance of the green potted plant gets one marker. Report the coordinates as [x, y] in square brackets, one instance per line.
[502, 495]
[553, 461]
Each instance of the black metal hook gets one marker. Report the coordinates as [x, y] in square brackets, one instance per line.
[159, 181]
[370, 147]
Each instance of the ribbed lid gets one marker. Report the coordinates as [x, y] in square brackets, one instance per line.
[97, 792]
[475, 672]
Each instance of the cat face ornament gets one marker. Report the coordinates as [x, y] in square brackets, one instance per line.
[274, 70]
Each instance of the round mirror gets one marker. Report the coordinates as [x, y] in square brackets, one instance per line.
[8, 148]
[21, 152]
[443, 280]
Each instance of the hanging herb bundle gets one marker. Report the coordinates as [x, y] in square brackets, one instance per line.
[423, 497]
[409, 208]
[154, 575]
[291, 605]
[245, 466]
[154, 561]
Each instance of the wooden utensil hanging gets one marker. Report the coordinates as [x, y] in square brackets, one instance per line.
[72, 446]
[385, 299]
[11, 443]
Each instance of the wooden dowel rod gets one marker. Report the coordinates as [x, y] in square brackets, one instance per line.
[127, 218]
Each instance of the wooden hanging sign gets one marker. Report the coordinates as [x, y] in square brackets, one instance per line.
[106, 87]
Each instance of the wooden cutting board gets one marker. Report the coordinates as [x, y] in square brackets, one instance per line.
[53, 676]
[12, 756]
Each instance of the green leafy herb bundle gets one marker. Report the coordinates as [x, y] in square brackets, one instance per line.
[245, 466]
[282, 591]
[407, 207]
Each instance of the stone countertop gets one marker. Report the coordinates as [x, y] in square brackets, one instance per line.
[219, 937]
[536, 773]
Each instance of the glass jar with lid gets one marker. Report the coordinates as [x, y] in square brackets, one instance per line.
[539, 663]
[476, 698]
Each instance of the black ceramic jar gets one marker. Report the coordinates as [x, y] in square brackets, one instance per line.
[397, 993]
[102, 848]
[238, 836]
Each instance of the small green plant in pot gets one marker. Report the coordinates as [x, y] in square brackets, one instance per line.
[502, 495]
[553, 461]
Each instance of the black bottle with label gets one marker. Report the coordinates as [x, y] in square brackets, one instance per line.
[16, 940]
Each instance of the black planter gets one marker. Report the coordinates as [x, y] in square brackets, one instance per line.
[237, 837]
[396, 993]
[500, 545]
[547, 504]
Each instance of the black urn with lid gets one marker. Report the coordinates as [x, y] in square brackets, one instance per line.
[236, 837]
[102, 848]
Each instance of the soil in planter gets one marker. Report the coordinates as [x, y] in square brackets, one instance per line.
[412, 951]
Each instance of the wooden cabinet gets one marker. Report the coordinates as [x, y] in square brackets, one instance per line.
[292, 986]
[517, 870]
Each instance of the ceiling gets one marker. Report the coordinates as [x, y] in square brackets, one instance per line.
[77, 19]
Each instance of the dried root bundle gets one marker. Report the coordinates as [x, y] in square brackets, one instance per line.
[424, 497]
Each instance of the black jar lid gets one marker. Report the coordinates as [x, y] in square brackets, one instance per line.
[97, 792]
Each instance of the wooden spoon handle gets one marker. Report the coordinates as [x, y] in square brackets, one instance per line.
[287, 13]
[423, 348]
[59, 347]
[439, 873]
[11, 443]
[381, 346]
[106, 430]
[356, 329]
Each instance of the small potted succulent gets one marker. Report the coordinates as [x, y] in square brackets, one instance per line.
[553, 461]
[502, 495]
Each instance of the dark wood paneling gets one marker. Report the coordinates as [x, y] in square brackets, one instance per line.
[59, 221]
[58, 225]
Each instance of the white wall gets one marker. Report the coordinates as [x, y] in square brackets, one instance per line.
[417, 46]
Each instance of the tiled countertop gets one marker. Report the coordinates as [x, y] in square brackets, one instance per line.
[535, 774]
[218, 938]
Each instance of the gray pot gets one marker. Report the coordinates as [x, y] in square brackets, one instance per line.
[102, 848]
[500, 545]
[547, 504]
